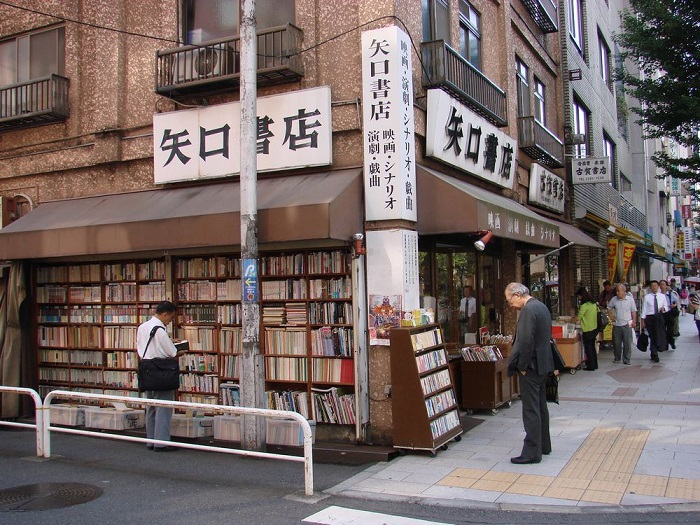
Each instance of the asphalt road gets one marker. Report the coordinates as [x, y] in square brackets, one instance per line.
[193, 487]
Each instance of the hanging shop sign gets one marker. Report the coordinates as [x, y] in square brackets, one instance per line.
[293, 131]
[388, 122]
[613, 245]
[459, 137]
[547, 189]
[627, 253]
[590, 170]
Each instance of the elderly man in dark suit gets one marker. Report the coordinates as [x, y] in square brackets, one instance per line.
[531, 359]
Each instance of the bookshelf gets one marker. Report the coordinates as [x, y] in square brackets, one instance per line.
[485, 381]
[87, 320]
[423, 402]
[88, 315]
[307, 334]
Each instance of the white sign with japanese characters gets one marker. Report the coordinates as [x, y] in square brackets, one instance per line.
[388, 122]
[458, 136]
[294, 131]
[547, 189]
[590, 170]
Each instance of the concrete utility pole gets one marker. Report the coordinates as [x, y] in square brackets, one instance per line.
[252, 371]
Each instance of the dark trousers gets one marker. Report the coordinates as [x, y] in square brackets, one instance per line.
[535, 415]
[657, 333]
[669, 321]
[589, 348]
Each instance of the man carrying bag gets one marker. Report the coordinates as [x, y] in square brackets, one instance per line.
[157, 355]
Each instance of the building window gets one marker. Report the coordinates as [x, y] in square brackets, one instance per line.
[523, 86]
[576, 23]
[32, 56]
[206, 20]
[436, 20]
[581, 119]
[605, 62]
[470, 34]
[540, 107]
[625, 183]
[609, 151]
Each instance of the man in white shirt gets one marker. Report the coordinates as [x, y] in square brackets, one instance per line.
[654, 305]
[467, 312]
[623, 314]
[158, 418]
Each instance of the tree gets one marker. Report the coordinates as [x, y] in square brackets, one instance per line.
[662, 39]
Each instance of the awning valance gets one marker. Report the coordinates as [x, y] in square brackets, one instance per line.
[296, 208]
[449, 205]
[573, 234]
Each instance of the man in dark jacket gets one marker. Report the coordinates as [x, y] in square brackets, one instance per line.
[531, 358]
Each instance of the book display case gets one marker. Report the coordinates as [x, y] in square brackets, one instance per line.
[423, 401]
[485, 381]
[87, 320]
[88, 315]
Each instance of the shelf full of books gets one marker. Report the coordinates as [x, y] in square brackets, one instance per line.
[484, 376]
[87, 317]
[424, 404]
[86, 321]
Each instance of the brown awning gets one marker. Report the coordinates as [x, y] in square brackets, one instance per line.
[296, 208]
[449, 205]
[573, 234]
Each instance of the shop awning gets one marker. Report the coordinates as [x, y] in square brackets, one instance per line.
[573, 234]
[449, 205]
[296, 208]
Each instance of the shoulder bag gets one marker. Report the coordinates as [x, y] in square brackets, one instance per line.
[160, 373]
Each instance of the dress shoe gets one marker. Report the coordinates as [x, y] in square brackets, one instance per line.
[165, 449]
[673, 346]
[547, 453]
[655, 359]
[520, 460]
[616, 360]
[627, 362]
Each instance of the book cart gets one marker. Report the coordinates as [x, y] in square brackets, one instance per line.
[485, 381]
[424, 405]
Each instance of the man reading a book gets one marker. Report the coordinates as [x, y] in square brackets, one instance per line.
[158, 418]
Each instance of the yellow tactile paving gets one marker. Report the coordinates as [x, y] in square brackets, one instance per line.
[602, 496]
[683, 488]
[601, 471]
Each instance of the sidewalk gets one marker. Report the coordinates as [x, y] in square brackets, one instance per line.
[623, 435]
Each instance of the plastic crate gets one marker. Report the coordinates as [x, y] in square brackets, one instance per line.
[67, 415]
[279, 431]
[114, 419]
[191, 427]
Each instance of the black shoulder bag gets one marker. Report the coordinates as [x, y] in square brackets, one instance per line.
[160, 373]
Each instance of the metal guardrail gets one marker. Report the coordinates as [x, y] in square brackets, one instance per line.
[43, 426]
[40, 101]
[38, 424]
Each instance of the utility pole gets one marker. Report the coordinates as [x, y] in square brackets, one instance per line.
[251, 376]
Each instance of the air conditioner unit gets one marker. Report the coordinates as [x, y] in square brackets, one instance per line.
[203, 63]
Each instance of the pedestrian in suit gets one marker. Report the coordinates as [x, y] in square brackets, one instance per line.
[655, 304]
[531, 359]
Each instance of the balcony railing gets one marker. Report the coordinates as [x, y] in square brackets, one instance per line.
[41, 101]
[540, 143]
[215, 66]
[444, 68]
[544, 13]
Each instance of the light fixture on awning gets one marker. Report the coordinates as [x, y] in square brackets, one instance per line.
[481, 243]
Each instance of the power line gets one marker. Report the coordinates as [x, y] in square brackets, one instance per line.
[178, 42]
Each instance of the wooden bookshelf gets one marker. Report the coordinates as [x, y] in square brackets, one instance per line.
[88, 315]
[423, 401]
[86, 323]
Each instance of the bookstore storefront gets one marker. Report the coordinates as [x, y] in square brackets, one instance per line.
[463, 283]
[97, 267]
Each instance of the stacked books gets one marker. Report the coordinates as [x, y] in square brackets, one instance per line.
[481, 353]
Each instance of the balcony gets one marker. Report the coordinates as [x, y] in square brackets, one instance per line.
[444, 68]
[540, 143]
[41, 101]
[215, 67]
[544, 13]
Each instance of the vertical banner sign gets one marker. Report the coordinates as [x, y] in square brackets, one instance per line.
[627, 253]
[685, 211]
[612, 258]
[387, 116]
